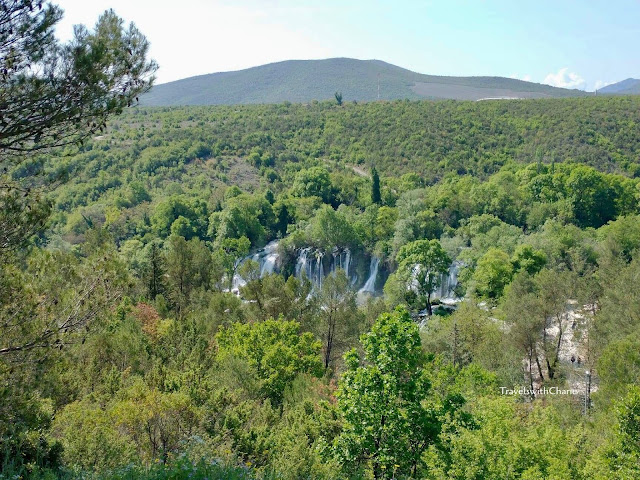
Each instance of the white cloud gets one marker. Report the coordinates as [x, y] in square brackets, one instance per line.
[564, 79]
[601, 83]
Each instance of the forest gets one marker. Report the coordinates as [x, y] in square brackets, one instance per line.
[332, 290]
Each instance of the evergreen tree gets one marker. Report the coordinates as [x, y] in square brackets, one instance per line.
[375, 186]
[154, 270]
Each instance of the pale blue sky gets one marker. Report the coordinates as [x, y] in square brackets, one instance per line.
[578, 44]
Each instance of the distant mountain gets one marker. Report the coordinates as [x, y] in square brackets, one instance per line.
[307, 80]
[630, 86]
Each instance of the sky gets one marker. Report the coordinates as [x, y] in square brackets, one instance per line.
[574, 44]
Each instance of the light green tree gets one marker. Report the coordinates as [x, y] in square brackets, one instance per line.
[274, 350]
[493, 273]
[421, 265]
[386, 423]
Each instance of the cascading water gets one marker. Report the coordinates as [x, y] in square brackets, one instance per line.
[266, 258]
[448, 283]
[370, 285]
[315, 265]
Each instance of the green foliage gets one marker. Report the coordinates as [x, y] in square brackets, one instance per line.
[331, 229]
[420, 267]
[492, 274]
[189, 266]
[509, 441]
[387, 426]
[619, 456]
[246, 216]
[525, 258]
[82, 83]
[375, 186]
[180, 216]
[313, 182]
[274, 351]
[91, 438]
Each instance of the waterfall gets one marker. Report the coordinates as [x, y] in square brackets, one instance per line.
[370, 285]
[319, 268]
[316, 265]
[448, 282]
[266, 258]
[347, 261]
[301, 263]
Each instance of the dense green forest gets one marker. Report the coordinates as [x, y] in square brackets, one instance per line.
[157, 318]
[147, 221]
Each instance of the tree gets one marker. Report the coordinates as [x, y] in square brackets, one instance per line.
[180, 216]
[274, 350]
[619, 457]
[153, 270]
[386, 424]
[536, 307]
[313, 182]
[493, 273]
[338, 316]
[375, 186]
[329, 229]
[227, 254]
[53, 94]
[421, 265]
[527, 259]
[338, 96]
[189, 266]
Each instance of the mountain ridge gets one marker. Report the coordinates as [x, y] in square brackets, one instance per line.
[628, 86]
[302, 81]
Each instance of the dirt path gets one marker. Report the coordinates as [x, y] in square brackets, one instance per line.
[360, 171]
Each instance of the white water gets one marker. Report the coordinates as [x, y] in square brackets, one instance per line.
[370, 285]
[312, 263]
[448, 282]
[266, 258]
[315, 265]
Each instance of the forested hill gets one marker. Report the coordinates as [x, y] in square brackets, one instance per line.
[307, 80]
[263, 147]
[630, 86]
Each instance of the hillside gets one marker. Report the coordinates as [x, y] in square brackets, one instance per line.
[630, 86]
[307, 80]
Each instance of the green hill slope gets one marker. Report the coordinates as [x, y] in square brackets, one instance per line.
[307, 80]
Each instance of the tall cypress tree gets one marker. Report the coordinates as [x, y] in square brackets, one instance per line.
[375, 186]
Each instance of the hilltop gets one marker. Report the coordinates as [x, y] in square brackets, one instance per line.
[630, 86]
[307, 80]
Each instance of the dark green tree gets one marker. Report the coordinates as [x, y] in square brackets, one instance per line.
[375, 186]
[55, 94]
[154, 270]
[338, 96]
